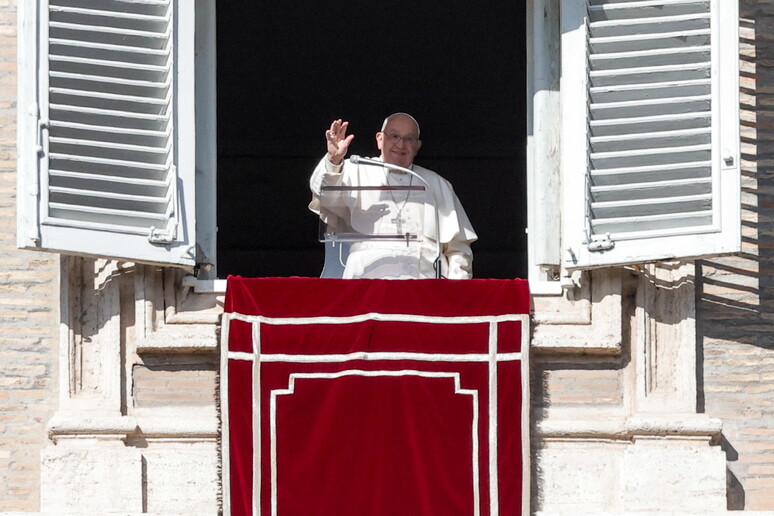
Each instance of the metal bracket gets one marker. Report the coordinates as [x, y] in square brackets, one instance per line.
[600, 243]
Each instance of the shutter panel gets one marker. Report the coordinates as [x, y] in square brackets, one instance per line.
[113, 173]
[661, 176]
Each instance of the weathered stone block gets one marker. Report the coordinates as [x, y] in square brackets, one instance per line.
[96, 479]
[665, 474]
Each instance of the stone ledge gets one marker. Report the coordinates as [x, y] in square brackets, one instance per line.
[181, 338]
[176, 427]
[636, 427]
[679, 425]
[576, 340]
[85, 426]
[77, 427]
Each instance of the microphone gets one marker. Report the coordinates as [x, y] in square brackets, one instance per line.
[360, 160]
[366, 161]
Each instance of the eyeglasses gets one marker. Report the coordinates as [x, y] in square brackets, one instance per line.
[395, 138]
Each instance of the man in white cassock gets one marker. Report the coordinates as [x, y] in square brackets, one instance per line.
[398, 210]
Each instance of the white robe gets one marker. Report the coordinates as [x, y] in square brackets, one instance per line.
[395, 260]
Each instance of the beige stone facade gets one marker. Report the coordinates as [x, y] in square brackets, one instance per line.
[29, 316]
[735, 305]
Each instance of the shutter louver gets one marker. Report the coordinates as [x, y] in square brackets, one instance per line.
[110, 117]
[655, 89]
[107, 129]
[650, 132]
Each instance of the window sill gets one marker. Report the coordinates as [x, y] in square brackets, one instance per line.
[205, 286]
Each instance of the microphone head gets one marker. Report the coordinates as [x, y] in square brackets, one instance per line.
[354, 159]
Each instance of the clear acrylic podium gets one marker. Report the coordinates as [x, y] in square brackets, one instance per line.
[382, 227]
[378, 230]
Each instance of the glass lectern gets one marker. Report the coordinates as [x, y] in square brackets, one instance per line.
[381, 226]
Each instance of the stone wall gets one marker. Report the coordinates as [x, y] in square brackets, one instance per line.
[29, 320]
[735, 350]
[735, 295]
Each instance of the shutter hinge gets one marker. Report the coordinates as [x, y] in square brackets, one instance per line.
[42, 126]
[161, 236]
[164, 236]
[600, 243]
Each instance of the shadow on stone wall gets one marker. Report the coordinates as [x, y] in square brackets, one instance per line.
[735, 295]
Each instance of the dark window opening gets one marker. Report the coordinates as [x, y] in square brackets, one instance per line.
[286, 70]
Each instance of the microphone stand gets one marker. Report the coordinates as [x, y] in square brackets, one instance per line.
[359, 160]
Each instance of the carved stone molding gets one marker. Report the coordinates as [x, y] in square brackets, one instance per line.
[688, 426]
[587, 319]
[174, 317]
[664, 339]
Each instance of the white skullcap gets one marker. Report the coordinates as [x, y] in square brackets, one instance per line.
[384, 125]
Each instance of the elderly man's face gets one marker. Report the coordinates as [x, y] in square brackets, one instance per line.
[399, 142]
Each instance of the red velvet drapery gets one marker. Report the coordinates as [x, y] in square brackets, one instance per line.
[375, 397]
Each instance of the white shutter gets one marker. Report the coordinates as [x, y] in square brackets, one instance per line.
[650, 130]
[107, 169]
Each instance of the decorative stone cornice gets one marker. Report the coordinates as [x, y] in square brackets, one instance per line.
[689, 426]
[77, 426]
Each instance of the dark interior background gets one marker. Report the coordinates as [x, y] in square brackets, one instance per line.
[286, 69]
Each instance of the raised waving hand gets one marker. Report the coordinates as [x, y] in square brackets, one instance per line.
[338, 141]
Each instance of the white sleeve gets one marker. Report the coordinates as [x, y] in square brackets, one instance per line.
[459, 257]
[325, 173]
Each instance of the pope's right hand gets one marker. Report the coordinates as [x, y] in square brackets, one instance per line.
[338, 141]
